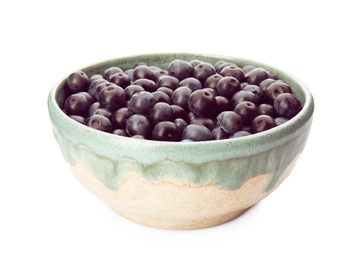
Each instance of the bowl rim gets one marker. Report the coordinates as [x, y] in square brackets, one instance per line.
[281, 133]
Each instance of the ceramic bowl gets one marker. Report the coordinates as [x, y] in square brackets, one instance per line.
[181, 185]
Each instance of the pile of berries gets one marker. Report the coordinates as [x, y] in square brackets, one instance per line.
[190, 101]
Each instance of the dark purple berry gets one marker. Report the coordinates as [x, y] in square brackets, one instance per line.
[77, 104]
[223, 104]
[265, 84]
[121, 79]
[79, 119]
[94, 84]
[160, 112]
[181, 96]
[233, 71]
[112, 97]
[248, 68]
[103, 112]
[147, 84]
[211, 81]
[161, 97]
[266, 109]
[203, 70]
[241, 96]
[99, 122]
[180, 69]
[219, 134]
[166, 131]
[202, 103]
[205, 121]
[274, 90]
[256, 76]
[254, 89]
[139, 125]
[180, 123]
[262, 123]
[165, 90]
[179, 112]
[191, 83]
[168, 82]
[197, 133]
[144, 72]
[120, 117]
[141, 102]
[247, 110]
[280, 120]
[120, 132]
[132, 89]
[230, 122]
[228, 86]
[239, 134]
[78, 81]
[110, 71]
[287, 105]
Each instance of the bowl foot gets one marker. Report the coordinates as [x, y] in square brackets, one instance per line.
[183, 224]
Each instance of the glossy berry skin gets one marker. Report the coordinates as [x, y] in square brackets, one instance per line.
[144, 72]
[112, 97]
[256, 90]
[121, 79]
[110, 71]
[99, 122]
[120, 132]
[166, 131]
[203, 70]
[94, 84]
[161, 97]
[168, 82]
[78, 81]
[103, 112]
[256, 76]
[241, 96]
[239, 134]
[223, 104]
[228, 86]
[180, 97]
[262, 123]
[141, 102]
[179, 112]
[230, 122]
[160, 112]
[266, 109]
[247, 110]
[192, 83]
[233, 71]
[280, 120]
[139, 125]
[274, 90]
[147, 84]
[119, 117]
[77, 104]
[202, 103]
[79, 119]
[196, 133]
[180, 69]
[211, 81]
[180, 123]
[287, 105]
[132, 89]
[219, 134]
[205, 121]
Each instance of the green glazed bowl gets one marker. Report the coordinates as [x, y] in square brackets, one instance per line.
[181, 185]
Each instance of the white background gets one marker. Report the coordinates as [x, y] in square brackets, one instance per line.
[46, 214]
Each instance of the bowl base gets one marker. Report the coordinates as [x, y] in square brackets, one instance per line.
[183, 224]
